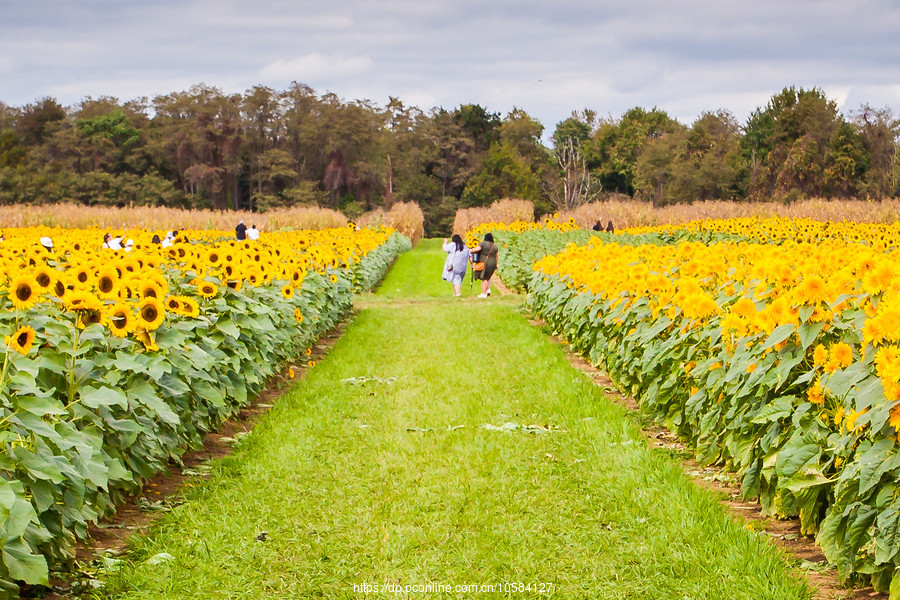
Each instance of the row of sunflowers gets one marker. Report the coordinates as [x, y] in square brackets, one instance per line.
[773, 355]
[115, 362]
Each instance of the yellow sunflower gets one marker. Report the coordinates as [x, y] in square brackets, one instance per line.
[151, 314]
[173, 304]
[82, 301]
[150, 288]
[189, 307]
[146, 339]
[298, 315]
[90, 317]
[44, 277]
[288, 291]
[107, 283]
[120, 319]
[21, 340]
[208, 289]
[23, 291]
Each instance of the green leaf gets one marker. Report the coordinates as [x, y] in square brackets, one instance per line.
[778, 409]
[792, 458]
[894, 593]
[781, 333]
[23, 565]
[39, 406]
[808, 333]
[104, 396]
[228, 327]
[36, 466]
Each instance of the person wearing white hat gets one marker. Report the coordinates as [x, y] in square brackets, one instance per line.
[129, 245]
[47, 243]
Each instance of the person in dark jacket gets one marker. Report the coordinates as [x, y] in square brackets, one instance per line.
[488, 253]
[609, 227]
[241, 231]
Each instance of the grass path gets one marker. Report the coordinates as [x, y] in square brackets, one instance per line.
[385, 466]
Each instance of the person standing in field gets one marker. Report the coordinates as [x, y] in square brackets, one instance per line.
[253, 233]
[240, 232]
[488, 253]
[456, 264]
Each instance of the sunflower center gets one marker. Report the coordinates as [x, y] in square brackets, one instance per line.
[90, 317]
[24, 292]
[105, 284]
[149, 313]
[120, 320]
[82, 276]
[22, 339]
[43, 280]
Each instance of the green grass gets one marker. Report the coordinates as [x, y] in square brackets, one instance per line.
[377, 469]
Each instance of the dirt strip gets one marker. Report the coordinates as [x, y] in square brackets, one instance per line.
[785, 534]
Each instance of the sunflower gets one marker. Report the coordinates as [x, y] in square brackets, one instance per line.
[82, 275]
[189, 307]
[90, 317]
[255, 277]
[60, 289]
[146, 339]
[173, 304]
[235, 284]
[208, 289]
[23, 291]
[108, 283]
[334, 279]
[21, 340]
[151, 314]
[120, 319]
[44, 278]
[298, 315]
[213, 257]
[150, 288]
[288, 291]
[82, 301]
[182, 305]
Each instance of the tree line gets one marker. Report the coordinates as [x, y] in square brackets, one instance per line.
[265, 148]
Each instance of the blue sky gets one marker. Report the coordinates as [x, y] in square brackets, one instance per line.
[548, 58]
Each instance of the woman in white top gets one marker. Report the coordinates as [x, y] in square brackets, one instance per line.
[456, 264]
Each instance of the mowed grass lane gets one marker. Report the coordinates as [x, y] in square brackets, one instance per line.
[401, 459]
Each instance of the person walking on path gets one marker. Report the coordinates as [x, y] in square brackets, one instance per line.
[488, 254]
[456, 264]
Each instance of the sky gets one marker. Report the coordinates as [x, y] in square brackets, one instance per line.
[547, 57]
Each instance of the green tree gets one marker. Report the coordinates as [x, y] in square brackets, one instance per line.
[616, 145]
[504, 173]
[787, 144]
[879, 130]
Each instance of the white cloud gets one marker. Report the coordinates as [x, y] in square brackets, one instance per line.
[547, 58]
[313, 68]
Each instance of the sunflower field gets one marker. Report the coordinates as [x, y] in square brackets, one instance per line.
[770, 346]
[115, 362]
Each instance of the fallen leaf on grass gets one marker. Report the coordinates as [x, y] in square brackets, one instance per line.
[536, 429]
[450, 428]
[160, 558]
